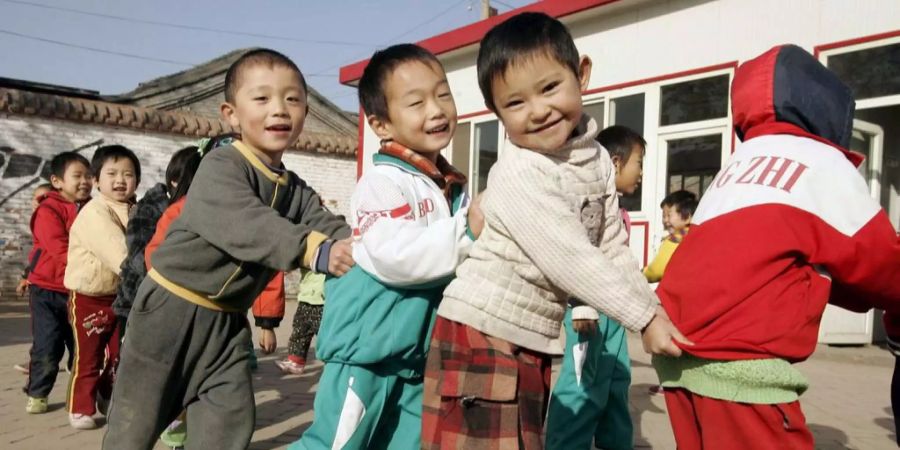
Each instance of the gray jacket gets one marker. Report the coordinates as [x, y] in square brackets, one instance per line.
[241, 223]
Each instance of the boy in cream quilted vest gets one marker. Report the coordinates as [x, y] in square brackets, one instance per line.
[488, 370]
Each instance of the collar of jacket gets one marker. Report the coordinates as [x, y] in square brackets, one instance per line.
[254, 160]
[442, 172]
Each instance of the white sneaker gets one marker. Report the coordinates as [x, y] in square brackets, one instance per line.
[82, 422]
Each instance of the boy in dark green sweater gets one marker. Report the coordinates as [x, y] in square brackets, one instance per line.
[246, 218]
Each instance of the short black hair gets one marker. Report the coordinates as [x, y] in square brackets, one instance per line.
[261, 56]
[114, 152]
[685, 202]
[61, 161]
[620, 141]
[522, 36]
[383, 62]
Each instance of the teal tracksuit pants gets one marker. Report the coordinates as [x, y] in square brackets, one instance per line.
[590, 399]
[362, 407]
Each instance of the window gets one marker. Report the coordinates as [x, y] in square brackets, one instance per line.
[628, 111]
[459, 155]
[596, 111]
[487, 137]
[873, 72]
[693, 163]
[695, 100]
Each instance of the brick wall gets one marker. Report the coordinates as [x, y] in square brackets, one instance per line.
[28, 142]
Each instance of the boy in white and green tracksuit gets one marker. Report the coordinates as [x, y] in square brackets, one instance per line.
[409, 215]
[377, 321]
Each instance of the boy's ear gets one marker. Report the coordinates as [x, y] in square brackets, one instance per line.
[382, 128]
[617, 161]
[584, 68]
[56, 182]
[227, 110]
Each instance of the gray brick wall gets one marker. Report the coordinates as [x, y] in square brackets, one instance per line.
[28, 142]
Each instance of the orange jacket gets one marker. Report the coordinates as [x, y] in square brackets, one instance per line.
[268, 308]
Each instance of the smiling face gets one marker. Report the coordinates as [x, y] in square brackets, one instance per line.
[676, 221]
[421, 111]
[539, 101]
[117, 179]
[76, 182]
[269, 109]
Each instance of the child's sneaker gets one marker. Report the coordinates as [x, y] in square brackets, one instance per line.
[175, 435]
[36, 405]
[290, 366]
[82, 422]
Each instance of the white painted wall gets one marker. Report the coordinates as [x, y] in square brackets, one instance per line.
[332, 176]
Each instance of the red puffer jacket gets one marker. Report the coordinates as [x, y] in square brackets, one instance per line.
[50, 226]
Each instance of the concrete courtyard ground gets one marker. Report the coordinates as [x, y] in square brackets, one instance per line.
[847, 407]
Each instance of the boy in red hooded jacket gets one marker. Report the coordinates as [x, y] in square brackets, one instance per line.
[810, 233]
[70, 176]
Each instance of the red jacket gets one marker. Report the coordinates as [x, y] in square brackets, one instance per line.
[268, 309]
[50, 224]
[787, 225]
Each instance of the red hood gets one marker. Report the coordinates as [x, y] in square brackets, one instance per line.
[787, 91]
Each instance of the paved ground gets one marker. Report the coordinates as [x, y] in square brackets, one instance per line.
[848, 405]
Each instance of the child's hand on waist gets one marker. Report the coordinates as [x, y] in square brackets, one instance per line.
[584, 327]
[659, 335]
[340, 258]
[475, 217]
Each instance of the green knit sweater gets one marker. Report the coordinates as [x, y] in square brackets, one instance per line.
[758, 381]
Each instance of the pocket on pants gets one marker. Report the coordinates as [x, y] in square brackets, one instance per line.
[156, 325]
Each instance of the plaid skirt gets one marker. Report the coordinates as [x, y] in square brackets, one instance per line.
[482, 392]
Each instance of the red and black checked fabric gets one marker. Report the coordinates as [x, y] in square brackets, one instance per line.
[481, 392]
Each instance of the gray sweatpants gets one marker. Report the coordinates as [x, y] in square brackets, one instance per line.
[178, 356]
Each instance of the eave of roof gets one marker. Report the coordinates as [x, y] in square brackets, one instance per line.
[473, 33]
[53, 106]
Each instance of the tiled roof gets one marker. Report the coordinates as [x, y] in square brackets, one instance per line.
[16, 101]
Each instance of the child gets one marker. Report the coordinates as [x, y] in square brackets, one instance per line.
[246, 218]
[589, 405]
[141, 227]
[552, 231]
[679, 209]
[268, 308]
[50, 224]
[96, 251]
[410, 228]
[310, 301]
[37, 196]
[809, 231]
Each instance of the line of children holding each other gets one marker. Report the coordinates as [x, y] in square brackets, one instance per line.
[443, 313]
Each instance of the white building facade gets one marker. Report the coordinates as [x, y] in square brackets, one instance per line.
[664, 68]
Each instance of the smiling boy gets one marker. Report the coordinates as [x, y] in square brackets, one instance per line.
[552, 231]
[409, 214]
[246, 218]
[96, 251]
